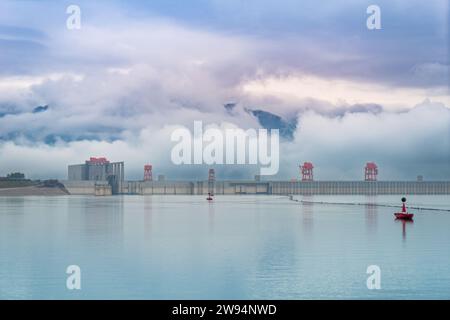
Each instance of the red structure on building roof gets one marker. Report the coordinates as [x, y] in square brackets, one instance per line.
[101, 160]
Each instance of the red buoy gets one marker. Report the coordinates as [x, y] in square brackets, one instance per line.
[404, 215]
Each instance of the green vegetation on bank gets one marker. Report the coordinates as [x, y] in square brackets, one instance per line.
[16, 180]
[17, 183]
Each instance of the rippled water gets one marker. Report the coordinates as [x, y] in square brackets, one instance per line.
[238, 247]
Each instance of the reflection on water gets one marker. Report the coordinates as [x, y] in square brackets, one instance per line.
[404, 223]
[96, 217]
[148, 213]
[308, 214]
[371, 213]
[236, 247]
[16, 203]
[211, 216]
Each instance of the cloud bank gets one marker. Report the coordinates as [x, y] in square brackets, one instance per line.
[121, 84]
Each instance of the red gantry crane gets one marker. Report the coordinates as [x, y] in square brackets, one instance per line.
[371, 172]
[307, 171]
[148, 172]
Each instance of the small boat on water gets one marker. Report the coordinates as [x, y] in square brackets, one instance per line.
[404, 215]
[210, 196]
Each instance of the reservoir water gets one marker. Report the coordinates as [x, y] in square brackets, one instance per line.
[237, 247]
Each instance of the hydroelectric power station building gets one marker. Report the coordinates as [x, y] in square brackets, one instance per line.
[98, 176]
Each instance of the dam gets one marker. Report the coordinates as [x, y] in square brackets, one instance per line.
[242, 187]
[98, 176]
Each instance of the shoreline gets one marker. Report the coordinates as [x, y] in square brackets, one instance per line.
[33, 191]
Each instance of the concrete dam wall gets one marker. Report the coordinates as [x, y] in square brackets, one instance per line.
[103, 188]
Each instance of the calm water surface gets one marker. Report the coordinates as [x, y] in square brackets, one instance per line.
[238, 247]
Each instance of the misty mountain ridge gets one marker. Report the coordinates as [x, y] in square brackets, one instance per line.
[270, 120]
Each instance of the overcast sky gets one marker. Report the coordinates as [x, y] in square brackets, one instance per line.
[118, 86]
